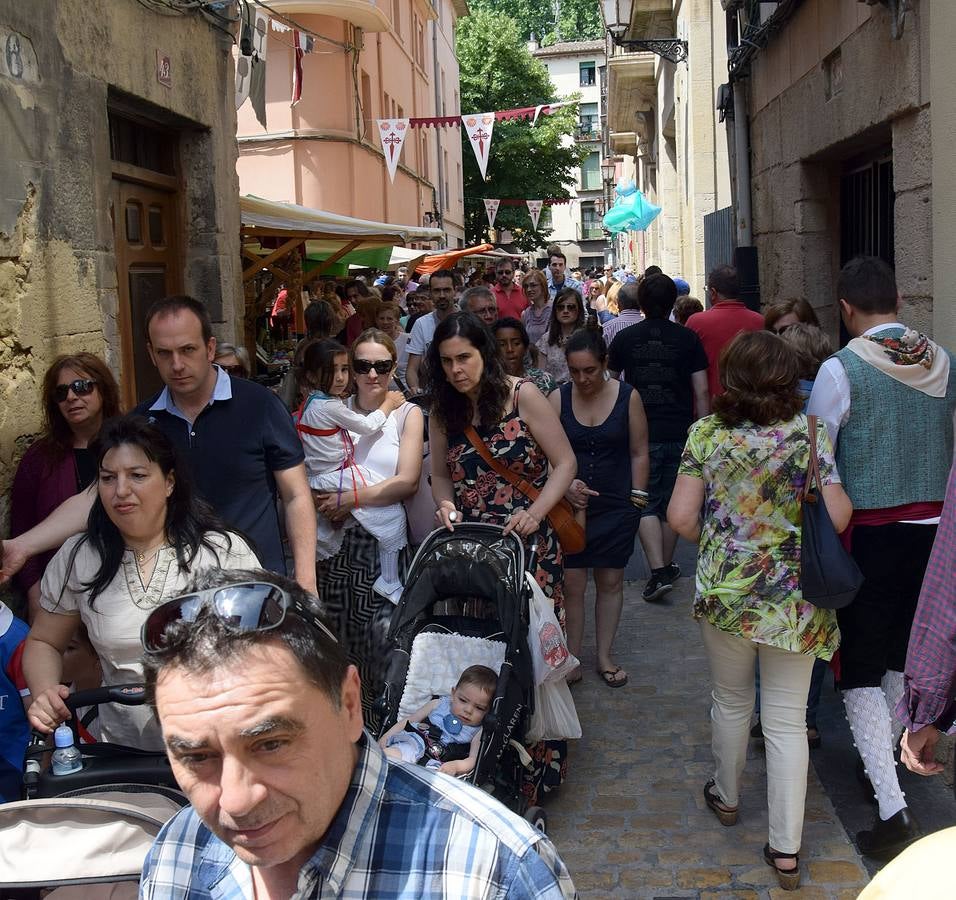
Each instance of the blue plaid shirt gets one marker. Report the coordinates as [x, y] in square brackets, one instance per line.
[401, 832]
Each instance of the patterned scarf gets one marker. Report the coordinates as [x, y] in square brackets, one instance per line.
[908, 357]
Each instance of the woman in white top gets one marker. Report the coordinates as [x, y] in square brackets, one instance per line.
[147, 536]
[395, 454]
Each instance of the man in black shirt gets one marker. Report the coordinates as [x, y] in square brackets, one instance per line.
[667, 365]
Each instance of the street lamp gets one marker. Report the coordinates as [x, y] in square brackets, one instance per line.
[608, 169]
[617, 17]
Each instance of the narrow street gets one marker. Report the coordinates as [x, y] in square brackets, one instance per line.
[631, 820]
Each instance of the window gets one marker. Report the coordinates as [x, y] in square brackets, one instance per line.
[447, 172]
[423, 156]
[137, 144]
[444, 111]
[458, 183]
[589, 122]
[586, 70]
[397, 16]
[400, 112]
[591, 172]
[590, 223]
[866, 211]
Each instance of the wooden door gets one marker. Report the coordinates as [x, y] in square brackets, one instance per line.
[148, 267]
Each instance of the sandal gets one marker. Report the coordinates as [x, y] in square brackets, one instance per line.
[727, 815]
[610, 677]
[789, 879]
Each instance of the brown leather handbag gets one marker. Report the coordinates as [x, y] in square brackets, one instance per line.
[562, 517]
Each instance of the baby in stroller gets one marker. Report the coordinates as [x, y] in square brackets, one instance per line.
[445, 733]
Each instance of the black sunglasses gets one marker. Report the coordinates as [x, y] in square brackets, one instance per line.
[244, 607]
[364, 366]
[81, 387]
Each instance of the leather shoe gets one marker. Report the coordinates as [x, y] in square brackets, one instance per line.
[888, 838]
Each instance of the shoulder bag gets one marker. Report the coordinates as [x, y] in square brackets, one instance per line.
[829, 576]
[570, 531]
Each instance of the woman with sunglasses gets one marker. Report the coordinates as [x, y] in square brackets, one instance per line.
[147, 535]
[780, 316]
[79, 393]
[394, 454]
[567, 316]
[469, 386]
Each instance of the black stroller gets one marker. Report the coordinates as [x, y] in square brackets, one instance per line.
[466, 602]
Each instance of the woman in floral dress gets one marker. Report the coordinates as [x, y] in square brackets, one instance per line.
[468, 385]
[746, 467]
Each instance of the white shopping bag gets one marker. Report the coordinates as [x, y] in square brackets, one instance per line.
[549, 651]
[555, 717]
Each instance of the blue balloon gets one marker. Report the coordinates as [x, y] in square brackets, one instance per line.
[632, 212]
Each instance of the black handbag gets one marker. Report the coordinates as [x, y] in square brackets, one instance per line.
[829, 576]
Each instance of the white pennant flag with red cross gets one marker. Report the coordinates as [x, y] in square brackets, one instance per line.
[534, 208]
[392, 133]
[479, 127]
[491, 210]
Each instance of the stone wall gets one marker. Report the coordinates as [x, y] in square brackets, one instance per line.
[62, 63]
[810, 116]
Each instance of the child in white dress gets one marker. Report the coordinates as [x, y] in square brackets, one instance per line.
[324, 423]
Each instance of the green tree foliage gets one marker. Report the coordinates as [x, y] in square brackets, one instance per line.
[498, 72]
[580, 20]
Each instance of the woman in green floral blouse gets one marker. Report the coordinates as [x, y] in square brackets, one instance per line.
[744, 467]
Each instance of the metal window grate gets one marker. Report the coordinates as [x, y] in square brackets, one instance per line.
[866, 211]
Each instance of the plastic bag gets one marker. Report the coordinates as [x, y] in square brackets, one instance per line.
[555, 717]
[549, 651]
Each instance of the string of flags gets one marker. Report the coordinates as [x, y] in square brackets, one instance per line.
[479, 127]
[534, 208]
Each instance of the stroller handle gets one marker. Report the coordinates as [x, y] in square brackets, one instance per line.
[124, 694]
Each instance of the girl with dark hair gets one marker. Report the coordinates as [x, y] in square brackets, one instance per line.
[605, 423]
[514, 343]
[745, 466]
[79, 394]
[568, 314]
[469, 387]
[325, 426]
[147, 535]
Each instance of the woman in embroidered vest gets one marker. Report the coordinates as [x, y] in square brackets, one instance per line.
[147, 535]
[745, 466]
[466, 379]
[79, 394]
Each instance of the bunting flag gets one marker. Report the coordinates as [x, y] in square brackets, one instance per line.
[534, 208]
[392, 133]
[257, 78]
[501, 115]
[302, 44]
[491, 210]
[243, 76]
[479, 128]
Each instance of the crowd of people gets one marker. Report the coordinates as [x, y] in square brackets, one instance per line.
[419, 404]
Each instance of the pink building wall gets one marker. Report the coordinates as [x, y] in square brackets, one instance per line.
[325, 151]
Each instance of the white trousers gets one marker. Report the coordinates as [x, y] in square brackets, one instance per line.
[784, 682]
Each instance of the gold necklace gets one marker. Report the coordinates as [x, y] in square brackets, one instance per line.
[142, 557]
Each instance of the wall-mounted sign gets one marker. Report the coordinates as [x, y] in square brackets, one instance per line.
[164, 69]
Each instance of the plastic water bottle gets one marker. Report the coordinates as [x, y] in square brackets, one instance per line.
[67, 757]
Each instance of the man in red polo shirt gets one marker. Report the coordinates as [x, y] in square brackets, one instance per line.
[510, 298]
[726, 318]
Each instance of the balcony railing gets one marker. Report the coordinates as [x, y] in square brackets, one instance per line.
[590, 231]
[588, 131]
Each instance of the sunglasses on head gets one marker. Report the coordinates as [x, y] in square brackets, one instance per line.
[81, 387]
[364, 366]
[242, 608]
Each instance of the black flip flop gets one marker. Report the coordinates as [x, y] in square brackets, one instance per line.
[609, 681]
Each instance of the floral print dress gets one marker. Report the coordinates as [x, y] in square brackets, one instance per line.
[748, 564]
[482, 496]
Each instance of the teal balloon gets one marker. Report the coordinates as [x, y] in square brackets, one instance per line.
[631, 212]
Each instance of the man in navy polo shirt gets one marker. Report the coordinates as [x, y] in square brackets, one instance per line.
[235, 436]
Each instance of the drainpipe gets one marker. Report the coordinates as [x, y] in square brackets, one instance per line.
[438, 194]
[742, 157]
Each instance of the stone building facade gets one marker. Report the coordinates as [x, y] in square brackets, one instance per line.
[842, 130]
[118, 175]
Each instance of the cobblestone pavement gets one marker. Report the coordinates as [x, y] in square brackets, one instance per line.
[631, 822]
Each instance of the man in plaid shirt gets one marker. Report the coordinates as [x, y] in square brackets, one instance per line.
[928, 705]
[290, 797]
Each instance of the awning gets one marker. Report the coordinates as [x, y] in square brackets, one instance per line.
[447, 259]
[271, 230]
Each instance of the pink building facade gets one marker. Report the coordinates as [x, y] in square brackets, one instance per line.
[394, 58]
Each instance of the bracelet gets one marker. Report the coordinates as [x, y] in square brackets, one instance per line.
[639, 502]
[637, 493]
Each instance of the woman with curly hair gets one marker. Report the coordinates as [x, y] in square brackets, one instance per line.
[468, 385]
[745, 466]
[79, 394]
